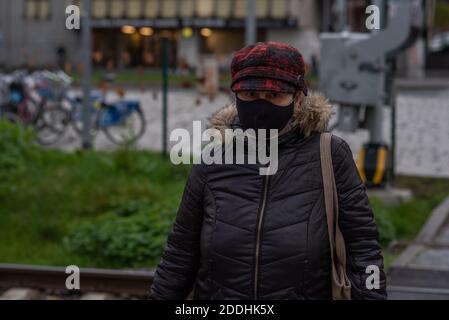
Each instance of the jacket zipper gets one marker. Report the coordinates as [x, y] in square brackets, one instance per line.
[258, 234]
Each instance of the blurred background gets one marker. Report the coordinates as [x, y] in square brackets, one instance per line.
[86, 116]
[127, 34]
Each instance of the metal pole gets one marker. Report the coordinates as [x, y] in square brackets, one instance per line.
[326, 16]
[376, 123]
[342, 15]
[87, 72]
[251, 23]
[164, 93]
[393, 133]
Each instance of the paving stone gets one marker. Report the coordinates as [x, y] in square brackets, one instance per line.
[97, 296]
[21, 294]
[437, 259]
[391, 196]
[443, 237]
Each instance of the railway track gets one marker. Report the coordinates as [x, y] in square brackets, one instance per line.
[45, 282]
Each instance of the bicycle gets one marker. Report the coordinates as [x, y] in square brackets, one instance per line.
[122, 122]
[30, 101]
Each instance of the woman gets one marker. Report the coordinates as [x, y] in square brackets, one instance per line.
[242, 235]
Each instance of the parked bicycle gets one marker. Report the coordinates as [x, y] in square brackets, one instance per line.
[47, 101]
[30, 100]
[122, 122]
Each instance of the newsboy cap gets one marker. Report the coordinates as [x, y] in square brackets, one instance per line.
[270, 66]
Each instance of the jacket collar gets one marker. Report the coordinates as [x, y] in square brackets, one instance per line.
[309, 116]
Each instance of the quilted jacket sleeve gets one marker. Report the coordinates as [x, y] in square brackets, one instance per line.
[176, 272]
[358, 227]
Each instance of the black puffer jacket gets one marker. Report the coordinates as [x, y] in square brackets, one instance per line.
[241, 235]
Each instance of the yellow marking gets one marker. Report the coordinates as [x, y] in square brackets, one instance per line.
[380, 165]
[360, 163]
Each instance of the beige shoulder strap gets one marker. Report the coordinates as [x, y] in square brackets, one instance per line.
[341, 286]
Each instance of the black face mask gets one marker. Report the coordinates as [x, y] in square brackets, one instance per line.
[262, 114]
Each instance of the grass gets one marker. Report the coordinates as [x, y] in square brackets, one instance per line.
[40, 206]
[56, 192]
[403, 222]
[409, 217]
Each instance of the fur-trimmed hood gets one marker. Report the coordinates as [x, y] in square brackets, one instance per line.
[312, 114]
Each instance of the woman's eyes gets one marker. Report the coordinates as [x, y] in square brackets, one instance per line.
[249, 95]
[254, 94]
[271, 96]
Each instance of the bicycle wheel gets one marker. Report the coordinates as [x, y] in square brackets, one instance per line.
[51, 125]
[127, 131]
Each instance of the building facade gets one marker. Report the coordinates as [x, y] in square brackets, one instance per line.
[32, 31]
[127, 33]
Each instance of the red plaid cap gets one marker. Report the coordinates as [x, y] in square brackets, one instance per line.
[271, 66]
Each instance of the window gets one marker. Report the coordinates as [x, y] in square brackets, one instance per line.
[169, 8]
[240, 7]
[117, 8]
[37, 9]
[262, 9]
[279, 8]
[205, 8]
[99, 8]
[44, 10]
[224, 8]
[151, 9]
[31, 9]
[134, 9]
[187, 8]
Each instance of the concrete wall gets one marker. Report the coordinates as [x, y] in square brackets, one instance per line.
[2, 33]
[35, 40]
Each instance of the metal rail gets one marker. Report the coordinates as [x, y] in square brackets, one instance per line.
[130, 282]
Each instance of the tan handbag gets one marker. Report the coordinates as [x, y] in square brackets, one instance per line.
[341, 286]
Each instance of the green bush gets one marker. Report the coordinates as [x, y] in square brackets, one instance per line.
[403, 221]
[17, 146]
[133, 235]
[90, 208]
